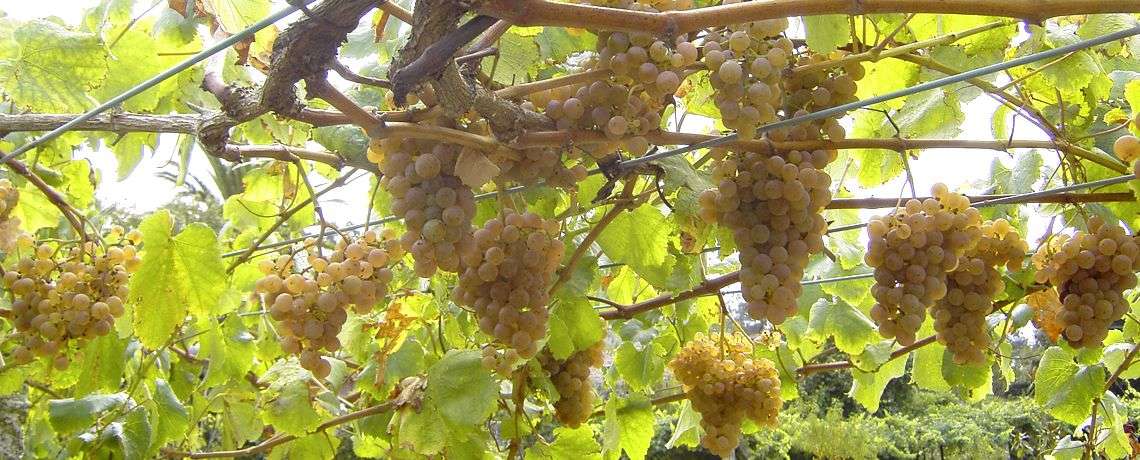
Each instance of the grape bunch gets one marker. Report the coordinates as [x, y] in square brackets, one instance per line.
[960, 316]
[10, 231]
[645, 72]
[1091, 271]
[571, 377]
[727, 386]
[507, 278]
[501, 362]
[525, 166]
[310, 304]
[912, 250]
[746, 64]
[814, 90]
[65, 297]
[436, 206]
[773, 206]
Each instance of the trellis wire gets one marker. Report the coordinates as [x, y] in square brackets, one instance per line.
[933, 84]
[294, 6]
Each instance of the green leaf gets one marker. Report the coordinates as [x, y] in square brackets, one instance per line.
[287, 404]
[852, 330]
[927, 370]
[54, 69]
[1064, 388]
[235, 15]
[867, 387]
[517, 60]
[230, 349]
[687, 431]
[346, 140]
[826, 32]
[640, 368]
[130, 435]
[172, 417]
[578, 443]
[628, 427]
[101, 365]
[935, 113]
[178, 274]
[1114, 356]
[574, 326]
[240, 423]
[137, 55]
[71, 415]
[462, 389]
[316, 445]
[640, 239]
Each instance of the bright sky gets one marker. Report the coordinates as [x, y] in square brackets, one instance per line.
[143, 191]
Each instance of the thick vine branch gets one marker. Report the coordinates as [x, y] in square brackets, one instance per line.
[706, 287]
[671, 23]
[1066, 198]
[120, 123]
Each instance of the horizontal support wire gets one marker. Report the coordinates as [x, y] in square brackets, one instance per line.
[294, 6]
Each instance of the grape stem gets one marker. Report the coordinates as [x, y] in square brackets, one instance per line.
[57, 199]
[624, 203]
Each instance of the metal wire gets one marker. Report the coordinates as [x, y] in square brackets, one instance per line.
[293, 7]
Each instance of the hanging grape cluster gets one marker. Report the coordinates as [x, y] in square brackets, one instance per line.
[773, 206]
[960, 316]
[571, 377]
[727, 386]
[436, 206]
[528, 166]
[10, 231]
[310, 305]
[645, 72]
[813, 90]
[1127, 148]
[64, 297]
[507, 278]
[746, 63]
[1091, 271]
[912, 250]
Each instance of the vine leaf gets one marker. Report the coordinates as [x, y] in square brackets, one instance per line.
[130, 436]
[852, 330]
[687, 431]
[628, 427]
[53, 68]
[172, 418]
[867, 387]
[460, 395]
[287, 404]
[71, 415]
[640, 239]
[1114, 356]
[826, 32]
[1064, 388]
[102, 365]
[640, 368]
[568, 442]
[316, 445]
[229, 348]
[574, 326]
[179, 274]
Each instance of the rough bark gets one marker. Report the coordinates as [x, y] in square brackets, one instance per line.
[13, 414]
